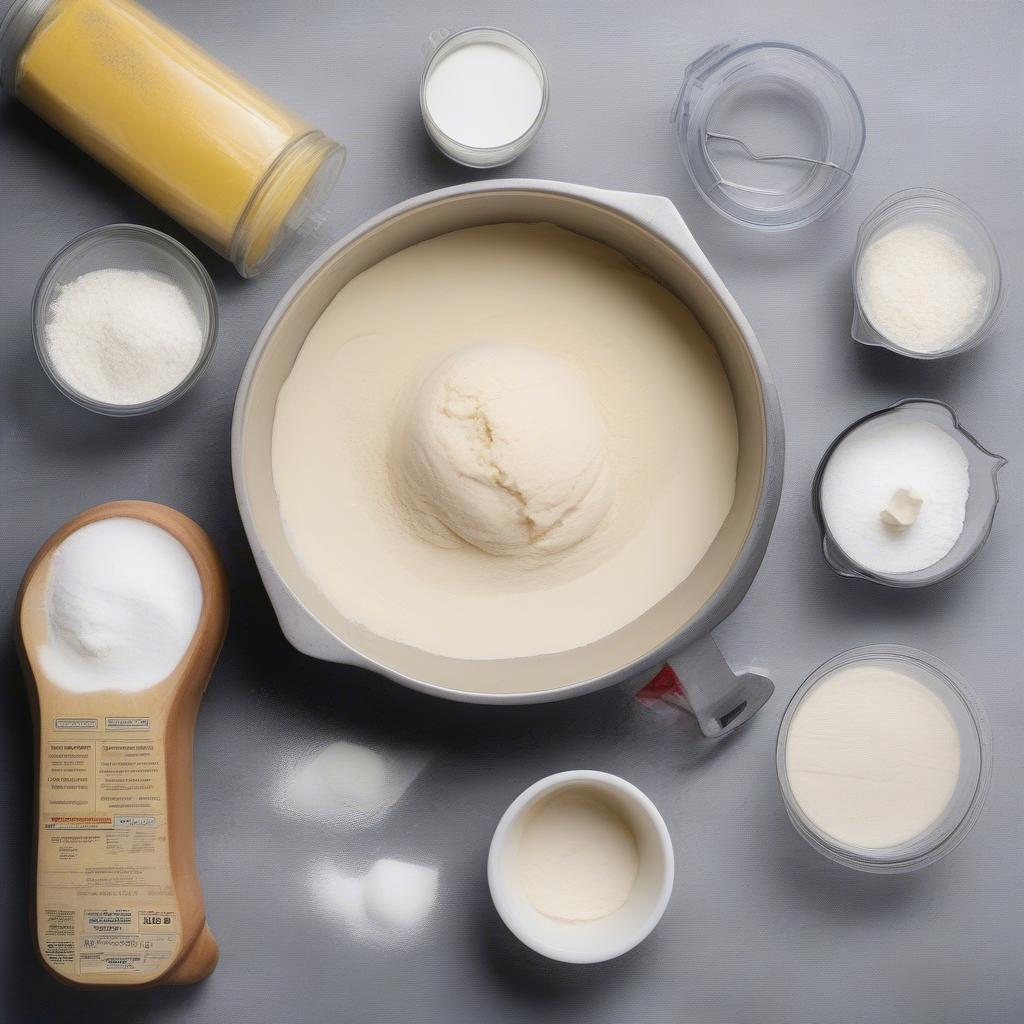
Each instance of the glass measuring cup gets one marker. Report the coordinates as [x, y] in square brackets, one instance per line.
[770, 133]
[948, 214]
[982, 499]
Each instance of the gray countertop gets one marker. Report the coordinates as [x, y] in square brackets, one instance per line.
[760, 928]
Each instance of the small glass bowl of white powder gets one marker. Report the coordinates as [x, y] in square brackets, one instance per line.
[928, 281]
[884, 759]
[124, 320]
[905, 496]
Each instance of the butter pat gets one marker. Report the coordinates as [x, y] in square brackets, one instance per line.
[903, 509]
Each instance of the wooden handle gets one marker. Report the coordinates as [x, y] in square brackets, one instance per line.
[87, 739]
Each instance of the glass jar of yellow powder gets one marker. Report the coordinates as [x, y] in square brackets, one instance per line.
[217, 154]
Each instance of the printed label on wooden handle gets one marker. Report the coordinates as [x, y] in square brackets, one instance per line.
[105, 901]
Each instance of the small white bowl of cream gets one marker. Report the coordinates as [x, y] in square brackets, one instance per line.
[581, 867]
[483, 96]
[884, 759]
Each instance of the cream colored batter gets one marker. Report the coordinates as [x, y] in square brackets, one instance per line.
[625, 513]
[873, 756]
[578, 858]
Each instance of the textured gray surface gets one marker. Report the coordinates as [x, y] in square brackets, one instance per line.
[760, 928]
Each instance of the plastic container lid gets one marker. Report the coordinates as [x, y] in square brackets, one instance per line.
[287, 204]
[770, 133]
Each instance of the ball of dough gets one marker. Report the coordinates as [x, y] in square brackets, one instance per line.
[503, 447]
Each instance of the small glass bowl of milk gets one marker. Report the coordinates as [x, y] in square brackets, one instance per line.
[884, 759]
[483, 95]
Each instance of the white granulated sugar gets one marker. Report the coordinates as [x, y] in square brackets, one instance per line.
[919, 287]
[122, 336]
[873, 462]
[346, 784]
[388, 903]
[123, 602]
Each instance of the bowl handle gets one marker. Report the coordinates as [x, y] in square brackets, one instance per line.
[699, 679]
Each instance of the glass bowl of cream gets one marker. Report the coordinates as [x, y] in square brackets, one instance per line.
[927, 278]
[124, 320]
[884, 759]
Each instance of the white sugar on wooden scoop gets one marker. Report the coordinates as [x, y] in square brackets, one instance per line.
[894, 494]
[123, 602]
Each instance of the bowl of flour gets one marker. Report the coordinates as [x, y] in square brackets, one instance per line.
[928, 281]
[124, 320]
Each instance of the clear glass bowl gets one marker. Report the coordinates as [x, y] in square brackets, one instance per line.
[982, 500]
[442, 44]
[972, 786]
[770, 133]
[949, 214]
[126, 247]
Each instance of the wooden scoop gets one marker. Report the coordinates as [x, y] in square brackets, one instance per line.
[117, 900]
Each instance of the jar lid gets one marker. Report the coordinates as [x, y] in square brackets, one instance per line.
[286, 204]
[20, 21]
[770, 133]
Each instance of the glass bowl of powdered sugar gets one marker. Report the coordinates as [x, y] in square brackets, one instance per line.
[124, 320]
[905, 497]
[928, 281]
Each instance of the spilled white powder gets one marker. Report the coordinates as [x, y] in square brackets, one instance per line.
[869, 466]
[123, 602]
[346, 784]
[920, 288]
[389, 902]
[122, 336]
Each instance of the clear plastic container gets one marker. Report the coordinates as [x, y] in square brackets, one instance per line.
[440, 45]
[982, 500]
[770, 133]
[949, 214]
[127, 247]
[236, 169]
[968, 799]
